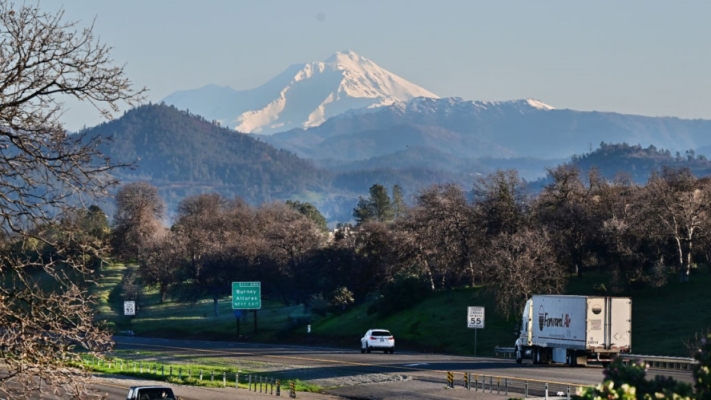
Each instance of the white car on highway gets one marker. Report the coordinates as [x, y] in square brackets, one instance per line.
[377, 339]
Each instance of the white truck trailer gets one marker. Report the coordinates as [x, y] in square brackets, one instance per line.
[574, 329]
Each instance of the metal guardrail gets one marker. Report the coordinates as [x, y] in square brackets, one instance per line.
[660, 362]
[506, 385]
[504, 352]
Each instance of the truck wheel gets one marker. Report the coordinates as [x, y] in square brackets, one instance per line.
[571, 358]
[549, 356]
[519, 356]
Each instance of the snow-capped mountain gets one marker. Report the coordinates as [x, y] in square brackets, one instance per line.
[473, 129]
[303, 96]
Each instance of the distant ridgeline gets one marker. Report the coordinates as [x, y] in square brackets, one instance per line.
[637, 162]
[183, 154]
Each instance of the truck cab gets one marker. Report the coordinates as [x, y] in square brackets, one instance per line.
[151, 393]
[523, 341]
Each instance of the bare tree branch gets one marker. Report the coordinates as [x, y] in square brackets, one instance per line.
[48, 255]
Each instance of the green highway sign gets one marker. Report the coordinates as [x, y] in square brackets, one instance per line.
[246, 295]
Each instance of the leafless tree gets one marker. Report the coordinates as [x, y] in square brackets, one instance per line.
[416, 246]
[375, 242]
[291, 237]
[520, 265]
[44, 172]
[502, 202]
[620, 233]
[130, 285]
[444, 224]
[138, 218]
[564, 207]
[679, 206]
[201, 223]
[205, 229]
[161, 261]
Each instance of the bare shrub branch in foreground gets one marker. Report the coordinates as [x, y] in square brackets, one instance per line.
[47, 257]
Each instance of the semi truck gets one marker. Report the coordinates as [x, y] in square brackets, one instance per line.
[575, 330]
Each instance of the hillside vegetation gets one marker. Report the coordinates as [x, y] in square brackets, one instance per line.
[183, 154]
[580, 235]
[638, 162]
[663, 318]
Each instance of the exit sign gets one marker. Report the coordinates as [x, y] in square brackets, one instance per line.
[246, 295]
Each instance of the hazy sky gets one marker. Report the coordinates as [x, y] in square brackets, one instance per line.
[640, 57]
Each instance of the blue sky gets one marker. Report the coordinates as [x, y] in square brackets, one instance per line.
[637, 57]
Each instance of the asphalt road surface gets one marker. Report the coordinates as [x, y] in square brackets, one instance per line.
[418, 372]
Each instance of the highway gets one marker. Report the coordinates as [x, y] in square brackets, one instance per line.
[348, 374]
[325, 364]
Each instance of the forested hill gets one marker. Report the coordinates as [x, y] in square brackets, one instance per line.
[183, 154]
[186, 154]
[639, 162]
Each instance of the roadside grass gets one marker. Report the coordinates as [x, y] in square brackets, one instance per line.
[437, 324]
[109, 278]
[662, 318]
[193, 374]
[189, 320]
[197, 321]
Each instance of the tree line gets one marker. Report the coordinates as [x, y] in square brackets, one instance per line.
[497, 235]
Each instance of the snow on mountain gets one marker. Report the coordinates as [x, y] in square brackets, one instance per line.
[539, 105]
[303, 96]
[452, 105]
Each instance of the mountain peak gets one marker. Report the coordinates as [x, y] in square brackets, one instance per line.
[539, 104]
[344, 55]
[304, 95]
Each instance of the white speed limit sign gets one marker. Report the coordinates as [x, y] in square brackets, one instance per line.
[475, 317]
[129, 307]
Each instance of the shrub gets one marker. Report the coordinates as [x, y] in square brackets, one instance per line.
[341, 298]
[694, 344]
[402, 293]
[318, 304]
[629, 381]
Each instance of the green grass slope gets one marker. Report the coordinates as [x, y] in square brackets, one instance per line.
[662, 318]
[438, 324]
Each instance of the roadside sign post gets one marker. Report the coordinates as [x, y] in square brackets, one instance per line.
[475, 320]
[238, 314]
[247, 296]
[129, 308]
